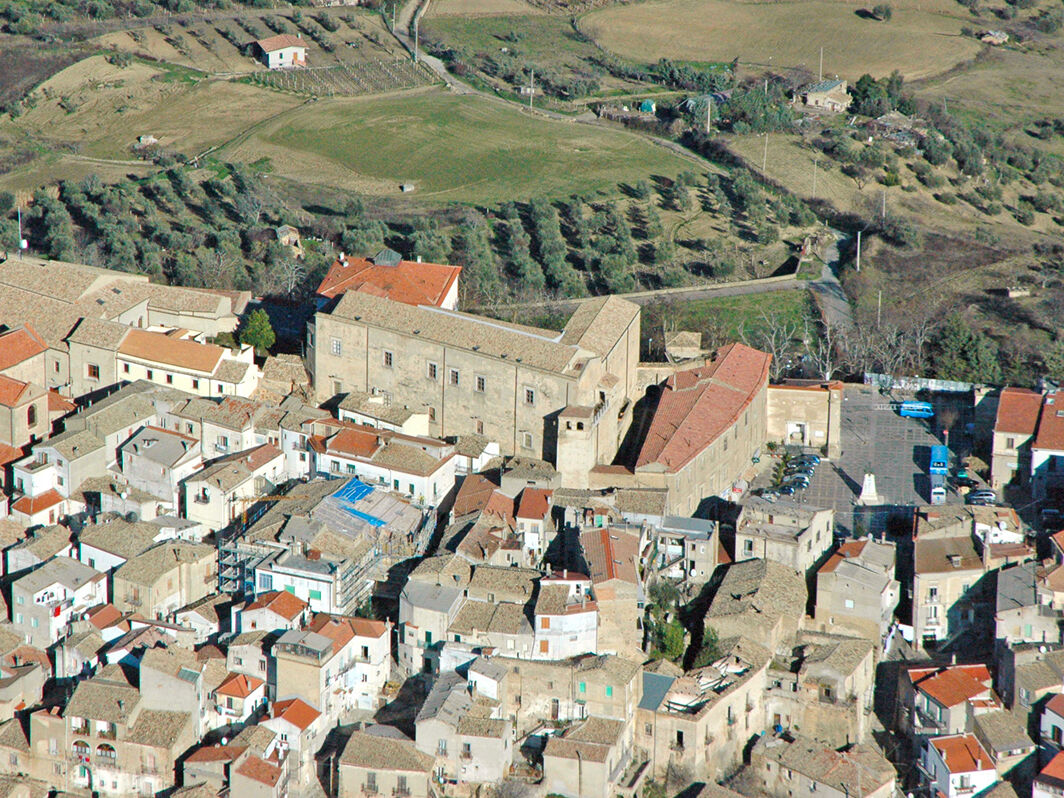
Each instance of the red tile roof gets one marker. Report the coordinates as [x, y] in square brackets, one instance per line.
[473, 495]
[103, 615]
[851, 548]
[1050, 433]
[11, 391]
[611, 554]
[31, 505]
[57, 404]
[698, 405]
[534, 503]
[962, 753]
[296, 711]
[260, 770]
[408, 282]
[1054, 771]
[280, 42]
[951, 685]
[1056, 704]
[169, 351]
[341, 628]
[355, 442]
[9, 454]
[1058, 539]
[285, 604]
[1017, 411]
[239, 685]
[18, 345]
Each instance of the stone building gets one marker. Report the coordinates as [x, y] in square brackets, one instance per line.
[806, 413]
[788, 532]
[856, 591]
[787, 766]
[566, 396]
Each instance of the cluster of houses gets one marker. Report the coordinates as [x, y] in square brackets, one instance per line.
[434, 556]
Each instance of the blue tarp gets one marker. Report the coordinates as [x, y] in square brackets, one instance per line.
[354, 491]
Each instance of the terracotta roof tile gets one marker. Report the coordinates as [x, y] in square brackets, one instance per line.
[216, 753]
[279, 42]
[1054, 771]
[951, 685]
[239, 685]
[963, 753]
[611, 554]
[473, 495]
[851, 548]
[1051, 424]
[1018, 410]
[170, 351]
[12, 391]
[296, 711]
[260, 770]
[534, 503]
[698, 405]
[281, 602]
[408, 282]
[18, 345]
[31, 505]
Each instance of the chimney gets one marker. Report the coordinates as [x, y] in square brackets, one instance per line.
[565, 573]
[419, 259]
[953, 658]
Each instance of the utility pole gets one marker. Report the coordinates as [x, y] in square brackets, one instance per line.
[821, 74]
[531, 89]
[764, 159]
[879, 309]
[883, 211]
[22, 243]
[858, 250]
[814, 178]
[709, 114]
[415, 36]
[393, 17]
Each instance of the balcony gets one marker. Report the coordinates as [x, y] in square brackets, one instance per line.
[369, 789]
[107, 734]
[401, 791]
[199, 498]
[677, 747]
[82, 730]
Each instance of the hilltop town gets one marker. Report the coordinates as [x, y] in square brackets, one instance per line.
[440, 554]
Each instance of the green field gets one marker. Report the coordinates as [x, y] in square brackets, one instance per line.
[730, 318]
[460, 149]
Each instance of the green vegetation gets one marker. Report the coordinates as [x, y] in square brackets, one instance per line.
[258, 332]
[455, 148]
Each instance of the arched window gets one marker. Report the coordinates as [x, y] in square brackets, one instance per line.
[105, 751]
[81, 749]
[31, 415]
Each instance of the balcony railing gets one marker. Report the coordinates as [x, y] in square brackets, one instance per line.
[401, 791]
[199, 498]
[676, 746]
[107, 734]
[369, 789]
[82, 730]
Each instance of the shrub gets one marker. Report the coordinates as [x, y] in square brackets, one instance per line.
[1024, 213]
[883, 12]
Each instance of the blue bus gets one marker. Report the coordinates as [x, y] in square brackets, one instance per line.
[939, 460]
[913, 409]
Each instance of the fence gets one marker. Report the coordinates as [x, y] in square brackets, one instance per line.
[915, 384]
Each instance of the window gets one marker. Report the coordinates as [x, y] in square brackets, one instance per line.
[388, 359]
[315, 594]
[544, 646]
[454, 377]
[93, 371]
[169, 379]
[411, 486]
[609, 691]
[371, 782]
[583, 687]
[22, 599]
[34, 622]
[530, 396]
[31, 415]
[265, 581]
[195, 385]
[748, 548]
[337, 347]
[441, 747]
[125, 368]
[1010, 443]
[432, 371]
[223, 442]
[849, 604]
[527, 440]
[432, 413]
[544, 623]
[481, 384]
[401, 787]
[290, 589]
[932, 594]
[648, 729]
[478, 425]
[55, 367]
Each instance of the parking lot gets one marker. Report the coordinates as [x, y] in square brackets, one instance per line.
[876, 440]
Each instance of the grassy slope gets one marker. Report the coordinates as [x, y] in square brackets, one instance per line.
[920, 40]
[465, 149]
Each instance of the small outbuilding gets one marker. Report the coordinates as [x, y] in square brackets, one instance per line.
[828, 95]
[282, 51]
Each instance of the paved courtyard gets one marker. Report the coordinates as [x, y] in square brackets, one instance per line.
[876, 440]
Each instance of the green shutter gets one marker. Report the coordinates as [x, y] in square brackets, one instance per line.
[583, 687]
[609, 690]
[315, 594]
[290, 589]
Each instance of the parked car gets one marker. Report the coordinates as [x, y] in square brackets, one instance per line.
[981, 497]
[787, 490]
[806, 458]
[797, 479]
[807, 470]
[769, 493]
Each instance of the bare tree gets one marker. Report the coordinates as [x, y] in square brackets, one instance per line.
[775, 336]
[823, 347]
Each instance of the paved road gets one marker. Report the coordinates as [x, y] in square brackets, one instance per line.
[649, 297]
[832, 299]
